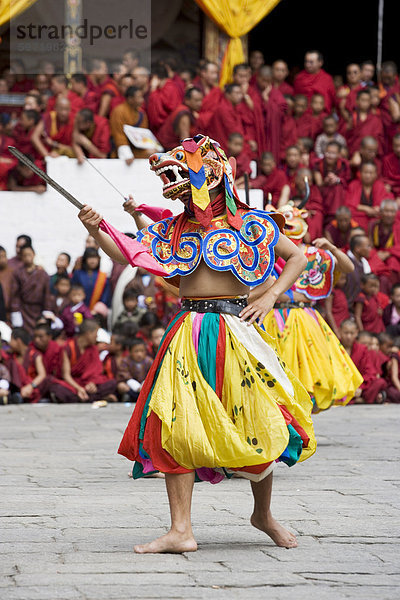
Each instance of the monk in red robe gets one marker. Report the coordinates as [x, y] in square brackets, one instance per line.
[163, 98]
[79, 85]
[271, 104]
[314, 203]
[236, 150]
[91, 136]
[391, 167]
[385, 239]
[291, 165]
[361, 123]
[336, 305]
[280, 72]
[318, 114]
[389, 106]
[314, 80]
[365, 196]
[250, 114]
[372, 386]
[339, 230]
[207, 83]
[182, 122]
[332, 175]
[53, 134]
[83, 379]
[226, 118]
[59, 87]
[346, 94]
[301, 116]
[49, 350]
[271, 179]
[23, 179]
[30, 291]
[23, 131]
[367, 152]
[25, 366]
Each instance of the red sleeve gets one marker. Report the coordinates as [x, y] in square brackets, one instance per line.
[101, 137]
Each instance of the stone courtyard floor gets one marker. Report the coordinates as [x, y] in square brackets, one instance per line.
[70, 515]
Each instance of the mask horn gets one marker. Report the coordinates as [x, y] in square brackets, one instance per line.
[306, 195]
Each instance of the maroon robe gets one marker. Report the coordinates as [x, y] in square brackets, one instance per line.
[242, 165]
[354, 197]
[285, 88]
[23, 141]
[161, 103]
[372, 126]
[271, 184]
[304, 125]
[30, 295]
[225, 120]
[390, 128]
[391, 172]
[340, 307]
[372, 385]
[340, 239]
[101, 135]
[52, 358]
[288, 135]
[314, 206]
[370, 317]
[208, 106]
[388, 243]
[59, 132]
[333, 196]
[167, 134]
[273, 112]
[316, 83]
[76, 102]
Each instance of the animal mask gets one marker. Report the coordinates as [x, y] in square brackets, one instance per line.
[295, 226]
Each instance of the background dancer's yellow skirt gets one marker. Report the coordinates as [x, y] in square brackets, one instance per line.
[217, 400]
[314, 354]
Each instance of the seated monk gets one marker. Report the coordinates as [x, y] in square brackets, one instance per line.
[361, 123]
[372, 387]
[59, 87]
[53, 134]
[163, 99]
[182, 122]
[367, 152]
[365, 196]
[82, 370]
[339, 230]
[314, 202]
[318, 113]
[385, 239]
[236, 150]
[302, 117]
[26, 367]
[23, 179]
[391, 167]
[91, 136]
[129, 113]
[292, 164]
[79, 85]
[49, 350]
[332, 175]
[226, 118]
[23, 132]
[271, 179]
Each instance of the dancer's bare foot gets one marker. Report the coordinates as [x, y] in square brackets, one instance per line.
[281, 536]
[173, 542]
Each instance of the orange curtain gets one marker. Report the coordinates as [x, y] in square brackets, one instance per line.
[235, 18]
[11, 8]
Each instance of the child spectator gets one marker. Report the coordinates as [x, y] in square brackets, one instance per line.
[147, 322]
[373, 388]
[131, 311]
[318, 112]
[365, 338]
[62, 263]
[391, 314]
[76, 311]
[23, 132]
[302, 117]
[82, 370]
[330, 134]
[337, 309]
[91, 136]
[116, 352]
[95, 283]
[133, 370]
[390, 367]
[235, 149]
[23, 179]
[26, 368]
[51, 354]
[271, 179]
[306, 145]
[61, 298]
[5, 378]
[338, 231]
[156, 336]
[332, 175]
[368, 307]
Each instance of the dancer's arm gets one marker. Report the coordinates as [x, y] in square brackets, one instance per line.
[296, 262]
[91, 220]
[343, 262]
[130, 207]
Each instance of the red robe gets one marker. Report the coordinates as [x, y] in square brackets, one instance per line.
[225, 120]
[6, 141]
[285, 88]
[372, 126]
[389, 243]
[161, 103]
[315, 208]
[76, 101]
[23, 141]
[61, 133]
[317, 83]
[340, 239]
[354, 197]
[91, 101]
[340, 307]
[390, 128]
[364, 362]
[370, 317]
[270, 116]
[101, 135]
[242, 165]
[271, 184]
[288, 135]
[208, 106]
[248, 118]
[30, 295]
[304, 125]
[333, 196]
[86, 367]
[52, 358]
[391, 172]
[167, 135]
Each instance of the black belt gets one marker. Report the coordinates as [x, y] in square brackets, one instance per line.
[292, 305]
[231, 306]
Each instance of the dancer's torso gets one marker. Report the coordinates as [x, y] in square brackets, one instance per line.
[206, 283]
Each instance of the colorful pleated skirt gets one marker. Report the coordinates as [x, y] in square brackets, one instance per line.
[315, 355]
[218, 401]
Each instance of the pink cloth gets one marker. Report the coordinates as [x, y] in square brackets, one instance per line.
[155, 213]
[136, 254]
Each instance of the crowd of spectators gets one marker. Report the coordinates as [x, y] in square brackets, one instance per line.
[344, 136]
